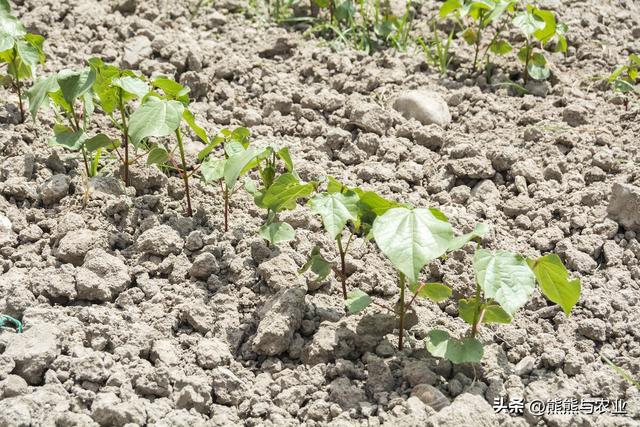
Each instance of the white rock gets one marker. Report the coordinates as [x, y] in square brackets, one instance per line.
[425, 106]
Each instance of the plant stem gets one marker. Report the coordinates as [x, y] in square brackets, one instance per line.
[343, 276]
[185, 176]
[526, 64]
[478, 315]
[125, 139]
[226, 209]
[19, 92]
[402, 311]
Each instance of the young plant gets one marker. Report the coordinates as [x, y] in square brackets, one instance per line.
[115, 89]
[538, 26]
[344, 209]
[436, 50]
[277, 192]
[20, 51]
[625, 78]
[70, 93]
[161, 114]
[475, 17]
[505, 282]
[238, 159]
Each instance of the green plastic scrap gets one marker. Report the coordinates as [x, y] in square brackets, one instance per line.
[4, 319]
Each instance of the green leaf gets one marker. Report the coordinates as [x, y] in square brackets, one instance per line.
[528, 23]
[191, 121]
[285, 156]
[547, 32]
[469, 35]
[210, 147]
[172, 89]
[74, 84]
[6, 42]
[11, 25]
[99, 141]
[537, 71]
[376, 203]
[410, 238]
[477, 233]
[133, 85]
[235, 166]
[357, 301]
[277, 232]
[336, 209]
[449, 7]
[29, 55]
[66, 137]
[5, 6]
[504, 277]
[317, 264]
[284, 193]
[156, 117]
[501, 47]
[157, 155]
[212, 170]
[38, 94]
[334, 186]
[554, 282]
[436, 292]
[467, 309]
[440, 344]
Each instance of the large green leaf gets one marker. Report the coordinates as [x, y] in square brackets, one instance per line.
[157, 155]
[285, 192]
[11, 26]
[212, 170]
[99, 141]
[74, 83]
[528, 23]
[188, 117]
[236, 165]
[449, 7]
[504, 277]
[66, 137]
[156, 117]
[6, 42]
[467, 350]
[357, 301]
[547, 32]
[172, 89]
[554, 282]
[277, 232]
[38, 93]
[336, 209]
[411, 237]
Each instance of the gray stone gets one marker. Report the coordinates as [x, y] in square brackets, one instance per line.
[12, 386]
[594, 329]
[430, 396]
[193, 392]
[370, 117]
[163, 352]
[478, 167]
[416, 372]
[161, 240]
[212, 352]
[108, 410]
[54, 283]
[575, 116]
[102, 277]
[75, 244]
[525, 366]
[15, 413]
[227, 387]
[624, 205]
[282, 317]
[346, 394]
[54, 189]
[204, 265]
[467, 410]
[136, 49]
[425, 106]
[33, 351]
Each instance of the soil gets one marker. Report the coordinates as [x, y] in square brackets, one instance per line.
[135, 314]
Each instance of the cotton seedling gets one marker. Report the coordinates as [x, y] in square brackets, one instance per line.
[344, 212]
[114, 90]
[475, 17]
[625, 78]
[238, 158]
[278, 191]
[70, 93]
[21, 51]
[504, 282]
[538, 26]
[161, 114]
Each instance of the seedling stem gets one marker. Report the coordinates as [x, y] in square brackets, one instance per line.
[185, 175]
